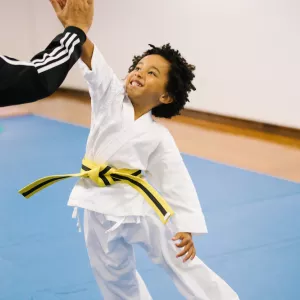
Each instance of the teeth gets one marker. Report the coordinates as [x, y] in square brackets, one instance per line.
[135, 83]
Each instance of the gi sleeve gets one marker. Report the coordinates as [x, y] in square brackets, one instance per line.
[103, 84]
[168, 174]
[24, 82]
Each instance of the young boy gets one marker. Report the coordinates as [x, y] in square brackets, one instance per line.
[124, 135]
[121, 208]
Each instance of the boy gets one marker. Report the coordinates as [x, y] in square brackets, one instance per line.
[124, 135]
[124, 141]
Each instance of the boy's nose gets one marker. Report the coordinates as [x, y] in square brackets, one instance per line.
[139, 74]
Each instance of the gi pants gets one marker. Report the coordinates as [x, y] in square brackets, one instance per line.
[113, 263]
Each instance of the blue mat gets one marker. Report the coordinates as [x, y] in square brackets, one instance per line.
[253, 222]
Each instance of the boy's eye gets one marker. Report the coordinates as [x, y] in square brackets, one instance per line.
[152, 73]
[137, 68]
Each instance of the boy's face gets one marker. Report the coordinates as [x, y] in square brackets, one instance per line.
[146, 84]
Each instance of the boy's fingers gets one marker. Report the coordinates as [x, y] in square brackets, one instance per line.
[189, 255]
[184, 251]
[56, 6]
[178, 236]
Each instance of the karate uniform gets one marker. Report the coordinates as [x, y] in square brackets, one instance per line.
[116, 217]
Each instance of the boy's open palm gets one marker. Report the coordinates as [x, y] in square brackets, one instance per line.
[78, 13]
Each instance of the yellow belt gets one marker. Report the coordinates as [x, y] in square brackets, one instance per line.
[104, 175]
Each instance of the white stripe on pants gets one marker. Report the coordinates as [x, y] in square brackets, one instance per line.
[113, 262]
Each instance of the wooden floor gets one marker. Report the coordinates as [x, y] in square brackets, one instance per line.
[248, 149]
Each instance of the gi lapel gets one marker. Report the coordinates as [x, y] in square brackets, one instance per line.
[130, 130]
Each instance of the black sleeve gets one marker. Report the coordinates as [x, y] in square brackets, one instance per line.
[24, 82]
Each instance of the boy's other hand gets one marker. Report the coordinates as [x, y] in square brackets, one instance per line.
[187, 243]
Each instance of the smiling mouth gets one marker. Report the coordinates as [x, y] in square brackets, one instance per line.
[136, 83]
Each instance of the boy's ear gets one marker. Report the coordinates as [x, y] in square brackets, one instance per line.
[166, 99]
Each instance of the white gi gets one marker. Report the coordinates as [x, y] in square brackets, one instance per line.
[118, 216]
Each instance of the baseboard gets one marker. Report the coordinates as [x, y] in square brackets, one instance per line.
[219, 122]
[243, 124]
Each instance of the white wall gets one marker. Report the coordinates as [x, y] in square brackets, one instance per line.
[247, 52]
[15, 27]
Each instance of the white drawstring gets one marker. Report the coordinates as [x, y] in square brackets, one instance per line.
[75, 215]
[116, 225]
[119, 223]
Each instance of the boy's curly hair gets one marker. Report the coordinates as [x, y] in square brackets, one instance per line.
[180, 80]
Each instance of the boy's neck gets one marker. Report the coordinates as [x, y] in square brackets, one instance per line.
[139, 113]
[139, 110]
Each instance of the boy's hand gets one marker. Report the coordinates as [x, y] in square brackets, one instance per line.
[187, 243]
[78, 13]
